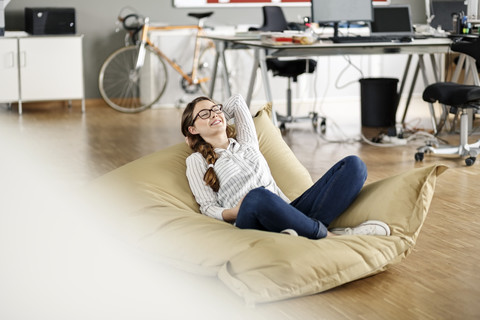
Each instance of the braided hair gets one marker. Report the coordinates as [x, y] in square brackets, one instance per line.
[198, 144]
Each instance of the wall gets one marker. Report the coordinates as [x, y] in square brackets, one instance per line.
[96, 20]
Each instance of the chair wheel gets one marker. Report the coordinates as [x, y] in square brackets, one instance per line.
[470, 161]
[315, 122]
[323, 125]
[419, 156]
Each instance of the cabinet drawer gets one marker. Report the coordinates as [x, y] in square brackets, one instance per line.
[8, 70]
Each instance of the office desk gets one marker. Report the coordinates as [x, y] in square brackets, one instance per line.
[417, 47]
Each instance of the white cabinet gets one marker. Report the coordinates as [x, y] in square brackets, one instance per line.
[9, 90]
[46, 68]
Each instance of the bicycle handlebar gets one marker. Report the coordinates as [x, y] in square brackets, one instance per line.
[132, 22]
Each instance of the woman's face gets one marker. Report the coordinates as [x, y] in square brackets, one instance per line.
[210, 126]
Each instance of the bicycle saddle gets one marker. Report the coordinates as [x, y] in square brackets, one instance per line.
[201, 15]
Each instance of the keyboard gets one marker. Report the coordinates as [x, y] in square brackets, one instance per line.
[364, 39]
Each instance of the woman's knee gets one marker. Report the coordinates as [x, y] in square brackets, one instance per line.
[356, 165]
[252, 205]
[257, 195]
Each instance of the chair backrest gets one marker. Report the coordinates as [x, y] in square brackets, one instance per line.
[273, 19]
[471, 48]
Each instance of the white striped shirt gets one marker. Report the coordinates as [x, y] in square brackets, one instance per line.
[240, 168]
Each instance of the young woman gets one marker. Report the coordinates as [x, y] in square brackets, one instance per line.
[231, 180]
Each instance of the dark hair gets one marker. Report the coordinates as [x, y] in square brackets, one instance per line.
[197, 143]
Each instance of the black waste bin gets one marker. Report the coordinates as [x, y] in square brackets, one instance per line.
[379, 100]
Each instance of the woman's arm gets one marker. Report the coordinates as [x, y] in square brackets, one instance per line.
[230, 215]
[204, 195]
[237, 108]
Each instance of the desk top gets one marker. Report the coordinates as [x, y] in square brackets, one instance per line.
[417, 46]
[232, 37]
[329, 43]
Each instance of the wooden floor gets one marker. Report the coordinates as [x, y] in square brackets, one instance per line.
[439, 280]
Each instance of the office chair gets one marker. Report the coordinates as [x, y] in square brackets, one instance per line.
[457, 99]
[274, 20]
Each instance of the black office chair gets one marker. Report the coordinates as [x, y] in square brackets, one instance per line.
[457, 99]
[274, 20]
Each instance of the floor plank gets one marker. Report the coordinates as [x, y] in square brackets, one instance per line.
[439, 280]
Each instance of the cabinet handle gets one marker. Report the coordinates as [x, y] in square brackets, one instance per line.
[10, 60]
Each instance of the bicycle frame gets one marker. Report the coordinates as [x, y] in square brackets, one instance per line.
[191, 79]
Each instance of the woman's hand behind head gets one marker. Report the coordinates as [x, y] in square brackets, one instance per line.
[188, 142]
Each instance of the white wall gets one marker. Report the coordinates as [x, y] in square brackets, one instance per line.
[96, 20]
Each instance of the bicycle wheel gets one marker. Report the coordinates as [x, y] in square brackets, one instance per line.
[128, 90]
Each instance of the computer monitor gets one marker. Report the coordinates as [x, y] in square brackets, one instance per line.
[392, 20]
[442, 13]
[336, 11]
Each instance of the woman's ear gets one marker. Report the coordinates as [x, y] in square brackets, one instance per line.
[192, 130]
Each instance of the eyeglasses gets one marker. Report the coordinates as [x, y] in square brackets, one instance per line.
[207, 113]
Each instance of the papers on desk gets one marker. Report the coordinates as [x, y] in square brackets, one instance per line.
[279, 38]
[251, 34]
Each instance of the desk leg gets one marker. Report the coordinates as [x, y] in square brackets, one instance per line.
[226, 79]
[471, 67]
[436, 73]
[458, 68]
[405, 74]
[253, 76]
[433, 117]
[421, 66]
[410, 92]
[266, 83]
[402, 86]
[439, 76]
[412, 85]
[215, 68]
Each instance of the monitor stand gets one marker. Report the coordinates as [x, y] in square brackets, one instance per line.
[335, 31]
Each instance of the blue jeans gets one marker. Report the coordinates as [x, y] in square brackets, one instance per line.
[311, 213]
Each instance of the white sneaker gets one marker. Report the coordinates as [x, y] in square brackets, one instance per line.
[290, 232]
[370, 227]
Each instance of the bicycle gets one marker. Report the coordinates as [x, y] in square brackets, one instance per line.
[134, 77]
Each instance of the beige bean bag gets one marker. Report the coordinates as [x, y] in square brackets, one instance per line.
[157, 212]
